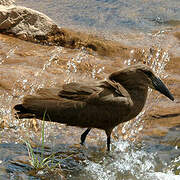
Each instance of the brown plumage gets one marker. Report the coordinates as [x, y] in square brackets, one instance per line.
[98, 104]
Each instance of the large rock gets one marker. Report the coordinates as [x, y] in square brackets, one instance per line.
[31, 25]
[25, 23]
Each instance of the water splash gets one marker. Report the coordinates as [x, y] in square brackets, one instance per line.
[9, 54]
[54, 54]
[26, 85]
[157, 59]
[130, 161]
[125, 162]
[174, 167]
[76, 66]
[53, 58]
[162, 176]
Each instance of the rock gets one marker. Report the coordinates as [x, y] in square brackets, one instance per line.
[31, 25]
[25, 23]
[6, 2]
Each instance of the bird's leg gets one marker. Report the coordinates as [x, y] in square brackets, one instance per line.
[83, 136]
[108, 142]
[108, 133]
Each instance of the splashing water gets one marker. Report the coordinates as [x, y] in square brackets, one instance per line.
[157, 59]
[77, 65]
[53, 59]
[6, 99]
[125, 162]
[27, 85]
[9, 54]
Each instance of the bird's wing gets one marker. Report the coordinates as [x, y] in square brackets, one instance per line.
[96, 93]
[73, 97]
[79, 91]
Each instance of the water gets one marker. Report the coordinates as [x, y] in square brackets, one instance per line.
[110, 15]
[144, 148]
[130, 158]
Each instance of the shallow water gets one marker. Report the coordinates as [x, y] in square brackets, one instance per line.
[110, 15]
[133, 155]
[145, 148]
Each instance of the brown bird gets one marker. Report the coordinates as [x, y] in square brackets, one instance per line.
[98, 104]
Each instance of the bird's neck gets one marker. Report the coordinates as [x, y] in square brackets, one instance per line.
[138, 96]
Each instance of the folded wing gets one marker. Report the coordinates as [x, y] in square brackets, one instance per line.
[96, 93]
[78, 104]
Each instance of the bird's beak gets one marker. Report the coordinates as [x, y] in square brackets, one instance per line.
[160, 86]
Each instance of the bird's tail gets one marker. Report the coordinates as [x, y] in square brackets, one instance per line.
[22, 112]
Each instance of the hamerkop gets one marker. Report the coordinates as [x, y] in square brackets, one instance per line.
[98, 104]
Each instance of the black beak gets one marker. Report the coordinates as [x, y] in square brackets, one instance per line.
[160, 86]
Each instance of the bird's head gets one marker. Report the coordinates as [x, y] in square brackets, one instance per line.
[140, 75]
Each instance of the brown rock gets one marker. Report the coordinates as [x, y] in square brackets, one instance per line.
[25, 23]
